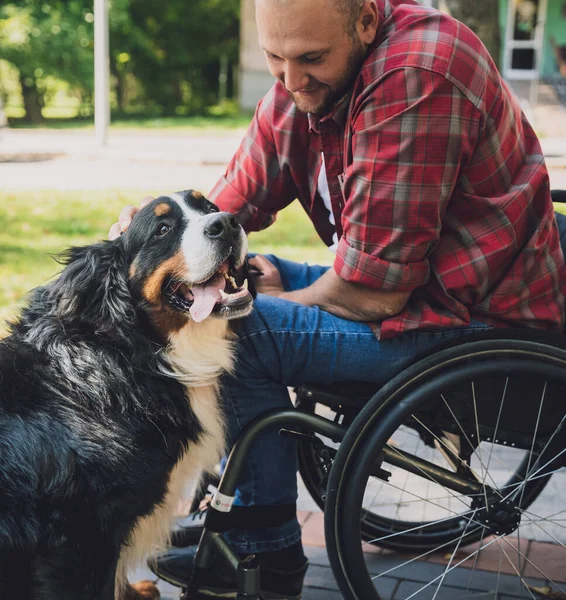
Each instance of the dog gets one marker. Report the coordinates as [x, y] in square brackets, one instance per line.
[109, 383]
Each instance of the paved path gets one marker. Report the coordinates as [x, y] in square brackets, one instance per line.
[148, 162]
[401, 581]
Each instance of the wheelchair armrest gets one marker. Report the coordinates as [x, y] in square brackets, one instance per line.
[351, 394]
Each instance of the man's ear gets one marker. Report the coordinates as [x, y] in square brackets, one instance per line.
[92, 290]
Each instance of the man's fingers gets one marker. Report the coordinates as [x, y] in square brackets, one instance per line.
[114, 232]
[126, 216]
[261, 263]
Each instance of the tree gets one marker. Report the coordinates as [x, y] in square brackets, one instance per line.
[42, 39]
[174, 48]
[482, 17]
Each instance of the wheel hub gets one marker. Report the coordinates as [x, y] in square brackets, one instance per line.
[500, 516]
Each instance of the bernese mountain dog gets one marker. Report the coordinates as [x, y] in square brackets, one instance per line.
[109, 398]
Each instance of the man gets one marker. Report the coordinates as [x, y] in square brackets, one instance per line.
[391, 125]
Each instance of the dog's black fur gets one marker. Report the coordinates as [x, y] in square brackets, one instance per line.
[90, 424]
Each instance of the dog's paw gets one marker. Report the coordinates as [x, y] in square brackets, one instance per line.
[142, 590]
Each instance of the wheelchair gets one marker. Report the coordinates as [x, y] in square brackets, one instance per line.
[451, 456]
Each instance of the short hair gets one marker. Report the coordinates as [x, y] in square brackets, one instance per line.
[351, 10]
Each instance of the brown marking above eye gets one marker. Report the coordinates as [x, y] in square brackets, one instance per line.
[132, 271]
[197, 195]
[174, 266]
[162, 209]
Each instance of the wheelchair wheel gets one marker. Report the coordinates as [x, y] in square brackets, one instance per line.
[462, 443]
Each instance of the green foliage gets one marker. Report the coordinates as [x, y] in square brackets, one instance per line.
[36, 225]
[43, 39]
[173, 48]
[165, 57]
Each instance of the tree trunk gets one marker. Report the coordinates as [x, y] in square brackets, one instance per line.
[33, 100]
[3, 119]
[482, 17]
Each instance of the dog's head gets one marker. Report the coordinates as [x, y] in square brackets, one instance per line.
[187, 259]
[180, 259]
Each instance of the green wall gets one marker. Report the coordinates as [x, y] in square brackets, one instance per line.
[555, 27]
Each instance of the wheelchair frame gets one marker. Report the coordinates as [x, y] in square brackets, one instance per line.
[213, 544]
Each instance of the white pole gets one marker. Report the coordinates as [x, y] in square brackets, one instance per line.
[101, 71]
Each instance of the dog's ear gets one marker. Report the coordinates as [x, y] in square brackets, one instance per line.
[92, 290]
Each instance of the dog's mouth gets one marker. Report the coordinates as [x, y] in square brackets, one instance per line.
[220, 294]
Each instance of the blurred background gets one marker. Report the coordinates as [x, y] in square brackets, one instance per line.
[183, 79]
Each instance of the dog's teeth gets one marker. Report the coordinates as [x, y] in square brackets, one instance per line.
[233, 282]
[226, 276]
[245, 284]
[223, 294]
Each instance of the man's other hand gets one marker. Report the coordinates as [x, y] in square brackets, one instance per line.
[268, 281]
[126, 217]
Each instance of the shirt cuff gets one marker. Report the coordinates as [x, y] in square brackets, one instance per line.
[358, 267]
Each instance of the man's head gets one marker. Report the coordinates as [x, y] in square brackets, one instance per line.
[315, 47]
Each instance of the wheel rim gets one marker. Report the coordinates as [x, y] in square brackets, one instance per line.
[362, 461]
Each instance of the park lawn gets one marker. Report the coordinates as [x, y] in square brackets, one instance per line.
[38, 225]
[209, 124]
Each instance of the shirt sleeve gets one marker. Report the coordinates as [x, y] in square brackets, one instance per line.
[255, 186]
[413, 132]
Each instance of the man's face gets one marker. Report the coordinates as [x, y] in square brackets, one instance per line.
[309, 49]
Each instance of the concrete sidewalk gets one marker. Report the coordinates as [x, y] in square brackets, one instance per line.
[151, 163]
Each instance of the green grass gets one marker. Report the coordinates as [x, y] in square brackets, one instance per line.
[208, 123]
[38, 225]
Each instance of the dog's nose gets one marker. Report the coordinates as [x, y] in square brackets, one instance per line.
[222, 225]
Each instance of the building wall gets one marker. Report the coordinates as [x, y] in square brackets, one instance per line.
[255, 79]
[556, 28]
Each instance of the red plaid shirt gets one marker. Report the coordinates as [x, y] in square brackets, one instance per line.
[437, 181]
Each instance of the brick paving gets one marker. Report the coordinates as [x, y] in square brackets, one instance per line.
[399, 582]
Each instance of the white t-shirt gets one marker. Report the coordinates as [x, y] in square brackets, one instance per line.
[325, 193]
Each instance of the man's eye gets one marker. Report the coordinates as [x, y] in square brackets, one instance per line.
[312, 60]
[163, 229]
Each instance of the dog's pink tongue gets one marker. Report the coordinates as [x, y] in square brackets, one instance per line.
[206, 296]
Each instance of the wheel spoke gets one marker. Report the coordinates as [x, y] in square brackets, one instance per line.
[428, 476]
[497, 422]
[514, 567]
[533, 565]
[455, 566]
[420, 526]
[443, 443]
[447, 570]
[474, 450]
[411, 560]
[534, 441]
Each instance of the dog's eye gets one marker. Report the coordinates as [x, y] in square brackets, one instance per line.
[163, 229]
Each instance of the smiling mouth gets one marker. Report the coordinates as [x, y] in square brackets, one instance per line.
[218, 294]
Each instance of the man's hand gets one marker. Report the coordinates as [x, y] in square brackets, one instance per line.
[125, 218]
[269, 279]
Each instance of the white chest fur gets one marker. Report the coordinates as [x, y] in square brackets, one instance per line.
[198, 355]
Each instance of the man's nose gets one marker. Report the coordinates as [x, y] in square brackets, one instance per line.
[295, 78]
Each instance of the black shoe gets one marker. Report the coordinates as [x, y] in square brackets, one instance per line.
[187, 530]
[277, 582]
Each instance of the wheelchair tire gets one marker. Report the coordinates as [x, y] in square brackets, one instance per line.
[532, 425]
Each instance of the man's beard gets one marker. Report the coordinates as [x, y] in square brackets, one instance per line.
[344, 85]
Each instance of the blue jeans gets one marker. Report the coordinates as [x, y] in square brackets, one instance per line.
[283, 344]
